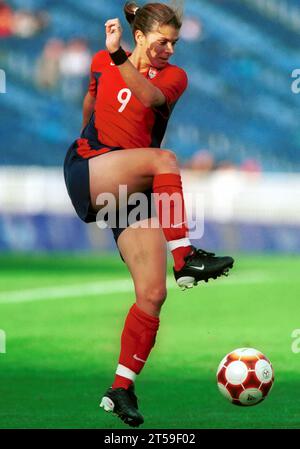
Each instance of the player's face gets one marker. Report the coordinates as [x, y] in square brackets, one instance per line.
[159, 45]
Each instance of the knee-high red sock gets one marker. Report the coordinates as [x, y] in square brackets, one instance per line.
[171, 214]
[138, 338]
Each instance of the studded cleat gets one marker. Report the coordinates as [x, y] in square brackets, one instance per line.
[123, 403]
[201, 265]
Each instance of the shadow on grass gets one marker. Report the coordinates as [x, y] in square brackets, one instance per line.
[66, 399]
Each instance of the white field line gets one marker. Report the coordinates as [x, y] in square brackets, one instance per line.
[67, 291]
[116, 286]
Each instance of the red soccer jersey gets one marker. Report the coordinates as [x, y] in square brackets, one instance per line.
[121, 119]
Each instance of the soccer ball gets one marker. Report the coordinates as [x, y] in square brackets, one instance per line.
[245, 376]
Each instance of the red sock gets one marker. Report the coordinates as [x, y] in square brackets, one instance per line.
[172, 216]
[138, 338]
[179, 254]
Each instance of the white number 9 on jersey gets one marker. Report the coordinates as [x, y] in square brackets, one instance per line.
[124, 97]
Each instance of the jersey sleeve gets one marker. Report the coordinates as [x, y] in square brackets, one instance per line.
[172, 82]
[93, 85]
[98, 63]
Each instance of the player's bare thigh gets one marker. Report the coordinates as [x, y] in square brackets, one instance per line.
[144, 252]
[134, 168]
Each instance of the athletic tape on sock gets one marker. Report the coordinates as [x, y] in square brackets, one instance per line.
[174, 244]
[126, 372]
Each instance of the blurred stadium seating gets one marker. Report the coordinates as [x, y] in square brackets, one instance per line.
[239, 100]
[239, 56]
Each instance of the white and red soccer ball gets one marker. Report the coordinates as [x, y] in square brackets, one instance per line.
[245, 376]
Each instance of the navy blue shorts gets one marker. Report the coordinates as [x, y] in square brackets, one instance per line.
[76, 173]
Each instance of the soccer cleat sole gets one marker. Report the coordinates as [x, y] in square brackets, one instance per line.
[108, 406]
[186, 282]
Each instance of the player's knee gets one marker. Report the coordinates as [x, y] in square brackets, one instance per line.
[152, 296]
[167, 160]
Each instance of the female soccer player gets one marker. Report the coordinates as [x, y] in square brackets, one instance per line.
[125, 115]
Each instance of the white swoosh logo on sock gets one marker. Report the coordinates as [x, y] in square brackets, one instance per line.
[138, 359]
[198, 268]
[177, 225]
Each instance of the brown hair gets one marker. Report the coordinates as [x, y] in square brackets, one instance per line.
[146, 17]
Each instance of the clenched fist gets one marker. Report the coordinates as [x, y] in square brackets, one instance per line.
[114, 32]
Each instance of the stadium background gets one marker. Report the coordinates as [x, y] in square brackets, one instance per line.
[236, 135]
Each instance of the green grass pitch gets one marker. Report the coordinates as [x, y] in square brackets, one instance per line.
[63, 315]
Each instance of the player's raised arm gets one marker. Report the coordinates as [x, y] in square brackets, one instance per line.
[148, 94]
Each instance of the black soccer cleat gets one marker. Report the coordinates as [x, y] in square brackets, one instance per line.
[202, 266]
[123, 403]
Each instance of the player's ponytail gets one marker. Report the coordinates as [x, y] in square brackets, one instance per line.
[130, 10]
[152, 15]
